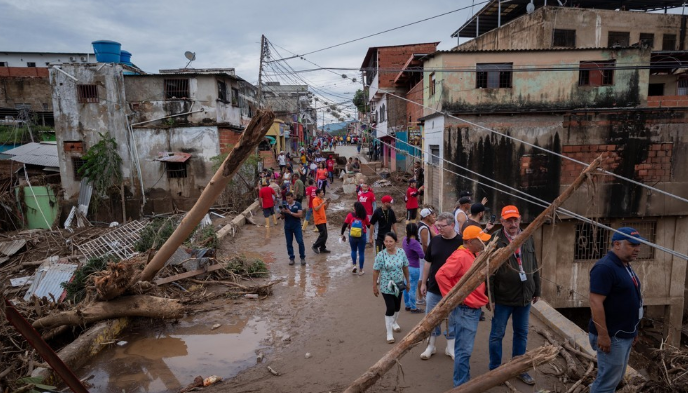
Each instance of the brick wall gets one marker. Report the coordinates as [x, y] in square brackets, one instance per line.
[395, 57]
[667, 101]
[40, 72]
[228, 138]
[655, 168]
[414, 111]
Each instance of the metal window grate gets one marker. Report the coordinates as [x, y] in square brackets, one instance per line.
[591, 242]
[175, 170]
[87, 93]
[493, 76]
[222, 91]
[77, 163]
[647, 39]
[619, 39]
[683, 87]
[669, 42]
[119, 242]
[564, 38]
[176, 88]
[648, 230]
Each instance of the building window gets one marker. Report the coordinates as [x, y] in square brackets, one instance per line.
[222, 91]
[619, 39]
[596, 73]
[432, 84]
[647, 39]
[77, 163]
[682, 87]
[669, 42]
[87, 93]
[592, 242]
[564, 38]
[494, 76]
[3, 64]
[176, 88]
[175, 170]
[235, 97]
[434, 154]
[648, 230]
[383, 113]
[30, 63]
[22, 106]
[45, 106]
[655, 89]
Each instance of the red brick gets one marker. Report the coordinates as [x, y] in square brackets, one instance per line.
[575, 149]
[642, 172]
[667, 146]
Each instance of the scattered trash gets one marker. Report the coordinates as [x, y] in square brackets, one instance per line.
[47, 280]
[205, 221]
[122, 343]
[251, 296]
[215, 326]
[308, 355]
[382, 183]
[273, 372]
[20, 281]
[260, 357]
[114, 224]
[211, 380]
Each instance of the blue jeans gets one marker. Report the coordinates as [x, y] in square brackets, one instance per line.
[357, 246]
[520, 326]
[431, 301]
[410, 293]
[465, 321]
[611, 366]
[309, 214]
[291, 231]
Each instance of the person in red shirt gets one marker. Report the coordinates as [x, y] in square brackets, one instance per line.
[321, 176]
[367, 198]
[466, 316]
[310, 194]
[359, 225]
[266, 195]
[330, 168]
[412, 201]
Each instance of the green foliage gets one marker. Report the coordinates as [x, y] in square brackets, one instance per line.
[20, 134]
[247, 267]
[103, 166]
[205, 238]
[361, 100]
[36, 382]
[155, 234]
[76, 289]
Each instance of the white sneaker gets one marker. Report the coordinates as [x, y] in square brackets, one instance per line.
[430, 350]
[449, 351]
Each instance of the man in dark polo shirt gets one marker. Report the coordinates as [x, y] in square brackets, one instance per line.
[616, 303]
[292, 212]
[441, 247]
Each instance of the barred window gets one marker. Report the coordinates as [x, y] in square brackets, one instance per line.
[647, 39]
[619, 39]
[77, 163]
[175, 170]
[596, 73]
[493, 76]
[564, 38]
[176, 88]
[592, 242]
[87, 93]
[669, 42]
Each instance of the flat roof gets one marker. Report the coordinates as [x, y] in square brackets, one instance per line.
[512, 9]
[45, 53]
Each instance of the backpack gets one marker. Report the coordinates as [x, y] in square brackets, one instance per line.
[356, 229]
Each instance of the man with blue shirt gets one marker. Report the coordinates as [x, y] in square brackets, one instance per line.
[291, 213]
[616, 303]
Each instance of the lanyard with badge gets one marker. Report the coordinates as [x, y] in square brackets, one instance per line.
[517, 255]
[636, 283]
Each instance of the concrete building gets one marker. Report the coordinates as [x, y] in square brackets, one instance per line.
[43, 59]
[292, 105]
[580, 97]
[168, 127]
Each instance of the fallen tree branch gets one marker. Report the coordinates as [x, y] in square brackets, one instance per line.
[570, 361]
[130, 306]
[582, 354]
[591, 367]
[516, 366]
[469, 282]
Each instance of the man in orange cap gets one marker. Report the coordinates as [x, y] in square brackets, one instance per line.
[466, 316]
[512, 288]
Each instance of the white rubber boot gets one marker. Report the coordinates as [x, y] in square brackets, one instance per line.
[395, 325]
[449, 351]
[430, 350]
[388, 324]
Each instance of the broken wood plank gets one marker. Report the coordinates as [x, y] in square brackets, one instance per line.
[476, 275]
[570, 361]
[192, 273]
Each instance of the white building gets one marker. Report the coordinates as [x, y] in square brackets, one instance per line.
[43, 59]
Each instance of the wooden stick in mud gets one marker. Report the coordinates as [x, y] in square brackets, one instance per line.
[468, 283]
[254, 133]
[508, 370]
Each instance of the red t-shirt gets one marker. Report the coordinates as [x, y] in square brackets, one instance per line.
[412, 198]
[367, 199]
[330, 165]
[350, 218]
[266, 194]
[310, 193]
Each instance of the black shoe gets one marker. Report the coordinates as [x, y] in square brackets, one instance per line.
[303, 262]
[325, 251]
[315, 249]
[527, 379]
[291, 261]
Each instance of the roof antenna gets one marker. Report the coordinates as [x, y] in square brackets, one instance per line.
[191, 56]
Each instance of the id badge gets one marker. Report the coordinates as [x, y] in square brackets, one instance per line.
[640, 312]
[524, 278]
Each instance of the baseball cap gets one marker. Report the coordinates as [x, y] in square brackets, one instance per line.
[474, 232]
[627, 233]
[477, 208]
[465, 194]
[387, 199]
[412, 180]
[510, 211]
[425, 212]
[463, 200]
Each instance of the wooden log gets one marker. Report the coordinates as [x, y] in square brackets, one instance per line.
[516, 366]
[573, 388]
[476, 275]
[571, 365]
[254, 133]
[581, 354]
[130, 306]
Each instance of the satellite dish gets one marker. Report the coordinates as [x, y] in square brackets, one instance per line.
[530, 8]
[191, 56]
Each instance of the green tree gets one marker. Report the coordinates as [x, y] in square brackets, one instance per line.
[361, 100]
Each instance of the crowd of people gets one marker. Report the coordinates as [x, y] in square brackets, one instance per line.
[438, 249]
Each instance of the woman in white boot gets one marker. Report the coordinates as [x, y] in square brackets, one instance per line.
[391, 272]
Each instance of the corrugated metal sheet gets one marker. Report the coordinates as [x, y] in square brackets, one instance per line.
[44, 154]
[47, 280]
[10, 248]
[173, 156]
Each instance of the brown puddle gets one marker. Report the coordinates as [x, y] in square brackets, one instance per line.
[168, 358]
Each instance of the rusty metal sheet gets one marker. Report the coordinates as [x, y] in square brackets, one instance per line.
[173, 156]
[48, 277]
[10, 248]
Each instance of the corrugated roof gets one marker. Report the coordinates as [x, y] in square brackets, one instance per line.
[10, 248]
[43, 154]
[173, 156]
[48, 278]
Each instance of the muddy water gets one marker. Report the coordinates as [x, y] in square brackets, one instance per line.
[168, 358]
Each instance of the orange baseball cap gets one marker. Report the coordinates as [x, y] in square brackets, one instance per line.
[473, 232]
[509, 212]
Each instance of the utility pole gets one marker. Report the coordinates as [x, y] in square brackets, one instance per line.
[260, 71]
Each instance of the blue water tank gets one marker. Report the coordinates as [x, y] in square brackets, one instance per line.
[125, 57]
[107, 51]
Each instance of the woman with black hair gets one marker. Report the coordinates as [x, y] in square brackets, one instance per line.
[391, 267]
[358, 224]
[414, 253]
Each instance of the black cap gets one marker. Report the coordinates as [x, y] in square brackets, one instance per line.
[464, 200]
[465, 194]
[477, 208]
